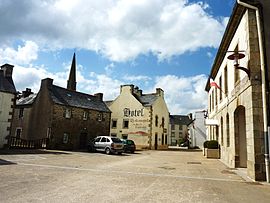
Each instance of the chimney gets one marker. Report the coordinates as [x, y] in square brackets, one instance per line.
[99, 96]
[46, 83]
[8, 69]
[129, 88]
[159, 92]
[26, 92]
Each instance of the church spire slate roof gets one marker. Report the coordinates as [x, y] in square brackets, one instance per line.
[71, 83]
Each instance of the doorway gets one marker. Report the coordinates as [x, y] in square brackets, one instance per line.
[156, 141]
[83, 140]
[240, 137]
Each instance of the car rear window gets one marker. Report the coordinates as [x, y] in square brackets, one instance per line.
[116, 140]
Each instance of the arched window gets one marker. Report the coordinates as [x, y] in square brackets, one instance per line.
[228, 129]
[221, 131]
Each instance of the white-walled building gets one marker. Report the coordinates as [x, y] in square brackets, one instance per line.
[197, 129]
[143, 118]
[7, 102]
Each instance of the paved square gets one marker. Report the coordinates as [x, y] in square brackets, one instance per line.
[147, 176]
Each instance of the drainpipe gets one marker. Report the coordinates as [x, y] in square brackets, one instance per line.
[265, 128]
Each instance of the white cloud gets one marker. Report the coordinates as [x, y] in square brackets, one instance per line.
[134, 78]
[183, 94]
[120, 30]
[23, 55]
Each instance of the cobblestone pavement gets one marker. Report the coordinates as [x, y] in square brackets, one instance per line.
[146, 176]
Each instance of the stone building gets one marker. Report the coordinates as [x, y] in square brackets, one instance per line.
[143, 118]
[238, 96]
[178, 129]
[7, 101]
[70, 119]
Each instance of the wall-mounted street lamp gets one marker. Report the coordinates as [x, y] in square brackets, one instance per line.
[236, 56]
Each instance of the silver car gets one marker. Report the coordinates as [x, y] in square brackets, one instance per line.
[107, 144]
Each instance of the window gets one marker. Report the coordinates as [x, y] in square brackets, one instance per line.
[226, 80]
[99, 117]
[166, 139]
[104, 139]
[18, 133]
[85, 115]
[113, 135]
[173, 127]
[215, 96]
[180, 127]
[236, 71]
[221, 131]
[125, 123]
[156, 121]
[228, 130]
[163, 122]
[124, 136]
[21, 112]
[114, 123]
[173, 134]
[220, 90]
[67, 113]
[162, 139]
[65, 138]
[210, 102]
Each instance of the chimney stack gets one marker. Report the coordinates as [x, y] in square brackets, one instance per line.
[7, 69]
[99, 96]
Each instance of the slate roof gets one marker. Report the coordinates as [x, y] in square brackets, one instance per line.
[26, 100]
[6, 84]
[180, 120]
[67, 97]
[147, 99]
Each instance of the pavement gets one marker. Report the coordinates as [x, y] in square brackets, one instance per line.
[146, 176]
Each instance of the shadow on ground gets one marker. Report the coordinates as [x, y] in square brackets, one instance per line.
[5, 162]
[30, 151]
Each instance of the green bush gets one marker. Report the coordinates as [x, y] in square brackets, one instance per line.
[212, 144]
[205, 144]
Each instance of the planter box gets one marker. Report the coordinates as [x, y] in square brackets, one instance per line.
[212, 153]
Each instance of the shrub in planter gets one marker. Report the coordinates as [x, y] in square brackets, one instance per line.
[205, 144]
[212, 144]
[212, 150]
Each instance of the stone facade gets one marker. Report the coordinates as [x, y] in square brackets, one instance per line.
[237, 106]
[7, 101]
[143, 118]
[68, 118]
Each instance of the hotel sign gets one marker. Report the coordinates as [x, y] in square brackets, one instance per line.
[133, 113]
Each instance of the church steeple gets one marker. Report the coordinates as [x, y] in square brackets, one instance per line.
[71, 83]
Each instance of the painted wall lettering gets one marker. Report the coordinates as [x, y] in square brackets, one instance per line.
[133, 113]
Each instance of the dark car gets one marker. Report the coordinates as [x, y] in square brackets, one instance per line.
[106, 144]
[129, 146]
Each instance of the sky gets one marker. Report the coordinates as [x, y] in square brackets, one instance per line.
[168, 44]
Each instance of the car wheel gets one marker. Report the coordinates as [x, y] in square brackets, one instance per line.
[107, 151]
[132, 151]
[119, 153]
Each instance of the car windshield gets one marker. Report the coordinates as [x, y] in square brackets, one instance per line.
[116, 140]
[130, 142]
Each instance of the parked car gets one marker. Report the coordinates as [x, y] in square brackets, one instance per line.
[129, 146]
[106, 144]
